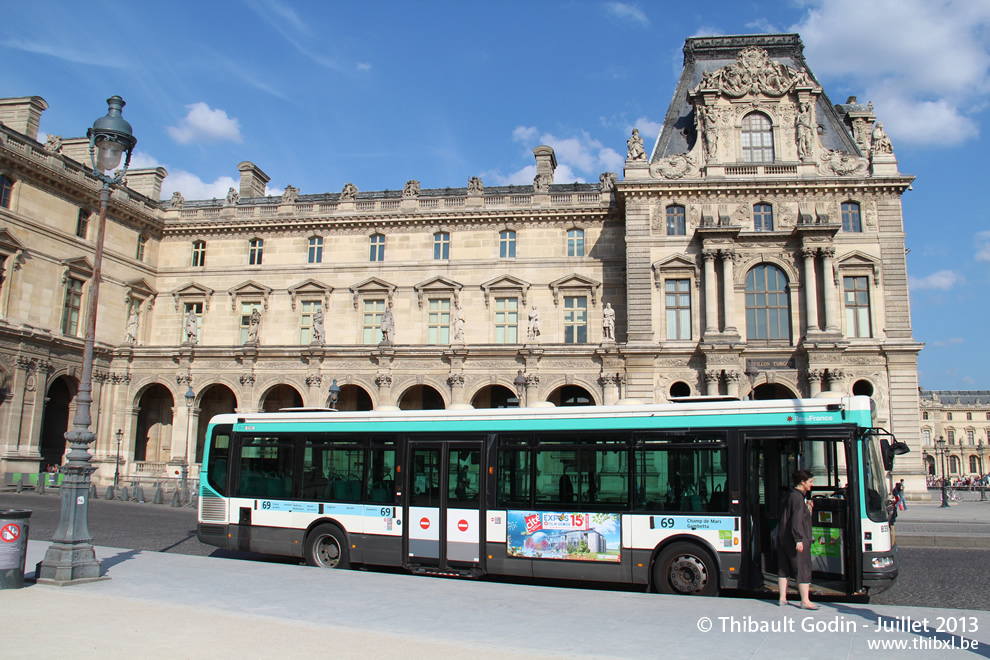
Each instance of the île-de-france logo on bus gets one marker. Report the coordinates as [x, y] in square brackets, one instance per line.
[809, 418]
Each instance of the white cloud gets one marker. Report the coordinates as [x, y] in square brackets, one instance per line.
[763, 25]
[524, 134]
[943, 280]
[627, 11]
[924, 64]
[363, 66]
[192, 187]
[983, 246]
[649, 129]
[951, 341]
[204, 124]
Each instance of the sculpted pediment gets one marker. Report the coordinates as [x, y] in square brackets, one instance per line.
[505, 283]
[753, 72]
[193, 290]
[249, 289]
[438, 284]
[310, 288]
[372, 286]
[857, 260]
[575, 282]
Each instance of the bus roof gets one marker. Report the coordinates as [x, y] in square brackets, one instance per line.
[788, 412]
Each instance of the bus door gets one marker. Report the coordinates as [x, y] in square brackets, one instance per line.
[770, 463]
[443, 507]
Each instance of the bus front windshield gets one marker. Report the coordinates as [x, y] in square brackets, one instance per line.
[874, 486]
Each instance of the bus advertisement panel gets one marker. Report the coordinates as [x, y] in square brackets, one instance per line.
[564, 535]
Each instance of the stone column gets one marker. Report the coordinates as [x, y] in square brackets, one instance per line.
[810, 288]
[456, 383]
[610, 388]
[831, 301]
[711, 381]
[711, 295]
[729, 291]
[815, 381]
[532, 389]
[384, 382]
[834, 378]
[732, 383]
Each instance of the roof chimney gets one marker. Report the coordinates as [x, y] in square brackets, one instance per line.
[23, 114]
[253, 180]
[546, 162]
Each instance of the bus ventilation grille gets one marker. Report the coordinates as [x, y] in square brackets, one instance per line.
[212, 508]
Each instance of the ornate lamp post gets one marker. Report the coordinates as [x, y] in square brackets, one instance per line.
[116, 471]
[981, 449]
[752, 372]
[184, 469]
[70, 558]
[940, 449]
[334, 394]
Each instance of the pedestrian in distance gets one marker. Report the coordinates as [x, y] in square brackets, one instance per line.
[794, 541]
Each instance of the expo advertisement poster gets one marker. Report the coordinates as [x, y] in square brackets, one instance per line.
[560, 535]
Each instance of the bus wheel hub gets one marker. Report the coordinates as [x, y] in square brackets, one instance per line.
[688, 574]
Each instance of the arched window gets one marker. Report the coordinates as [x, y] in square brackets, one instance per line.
[199, 253]
[951, 436]
[757, 138]
[676, 225]
[6, 190]
[377, 247]
[850, 217]
[441, 245]
[507, 244]
[767, 309]
[762, 217]
[969, 417]
[256, 249]
[575, 242]
[954, 464]
[315, 255]
[142, 244]
[974, 465]
[924, 415]
[948, 416]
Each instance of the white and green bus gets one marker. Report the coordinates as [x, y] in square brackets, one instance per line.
[682, 497]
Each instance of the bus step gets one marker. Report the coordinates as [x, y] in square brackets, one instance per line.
[470, 573]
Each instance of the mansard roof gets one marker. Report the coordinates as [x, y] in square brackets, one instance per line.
[708, 54]
[957, 397]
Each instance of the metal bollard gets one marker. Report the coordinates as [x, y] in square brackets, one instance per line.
[41, 484]
[20, 485]
[159, 496]
[110, 493]
[124, 495]
[139, 494]
[13, 547]
[92, 492]
[176, 500]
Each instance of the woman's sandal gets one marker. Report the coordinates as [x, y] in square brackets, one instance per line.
[813, 606]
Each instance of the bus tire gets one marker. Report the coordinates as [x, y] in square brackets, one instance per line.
[326, 547]
[686, 569]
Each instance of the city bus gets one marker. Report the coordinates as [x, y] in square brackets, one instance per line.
[680, 497]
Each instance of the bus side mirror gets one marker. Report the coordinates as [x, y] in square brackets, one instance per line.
[889, 450]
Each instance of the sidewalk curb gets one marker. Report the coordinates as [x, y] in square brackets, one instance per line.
[971, 542]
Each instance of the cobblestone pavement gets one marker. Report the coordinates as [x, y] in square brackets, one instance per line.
[931, 577]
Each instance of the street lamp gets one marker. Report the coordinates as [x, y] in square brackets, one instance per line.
[752, 372]
[190, 400]
[334, 394]
[940, 448]
[980, 449]
[70, 559]
[116, 471]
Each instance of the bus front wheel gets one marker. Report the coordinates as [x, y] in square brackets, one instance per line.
[685, 569]
[326, 547]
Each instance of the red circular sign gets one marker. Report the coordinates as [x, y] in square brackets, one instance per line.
[10, 533]
[462, 525]
[425, 523]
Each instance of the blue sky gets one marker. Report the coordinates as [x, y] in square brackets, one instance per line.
[318, 94]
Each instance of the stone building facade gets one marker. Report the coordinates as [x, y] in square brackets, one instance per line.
[757, 250]
[962, 419]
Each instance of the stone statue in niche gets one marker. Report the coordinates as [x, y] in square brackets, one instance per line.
[634, 146]
[533, 329]
[411, 189]
[805, 132]
[608, 322]
[318, 332]
[475, 186]
[130, 332]
[879, 142]
[232, 197]
[254, 325]
[458, 323]
[349, 193]
[192, 327]
[388, 325]
[708, 127]
[177, 201]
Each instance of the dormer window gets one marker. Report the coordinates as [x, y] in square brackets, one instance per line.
[756, 138]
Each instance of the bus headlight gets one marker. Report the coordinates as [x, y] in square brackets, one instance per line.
[882, 562]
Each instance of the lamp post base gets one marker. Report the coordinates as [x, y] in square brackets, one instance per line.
[67, 564]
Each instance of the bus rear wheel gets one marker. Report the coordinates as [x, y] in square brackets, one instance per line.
[326, 547]
[685, 569]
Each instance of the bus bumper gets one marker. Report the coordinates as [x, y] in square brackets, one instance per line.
[880, 570]
[212, 534]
